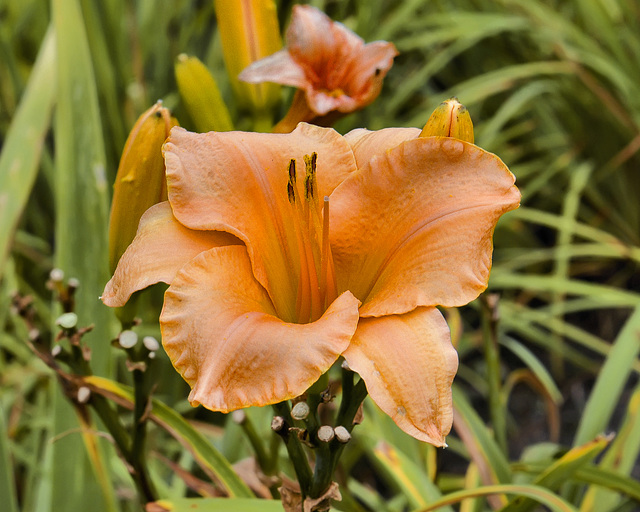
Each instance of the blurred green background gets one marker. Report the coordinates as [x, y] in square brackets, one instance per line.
[549, 355]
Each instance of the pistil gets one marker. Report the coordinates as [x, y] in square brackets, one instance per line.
[328, 287]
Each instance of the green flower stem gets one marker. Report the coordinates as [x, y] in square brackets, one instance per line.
[120, 436]
[295, 450]
[328, 454]
[133, 452]
[492, 359]
[323, 472]
[110, 419]
[266, 461]
[352, 398]
[138, 459]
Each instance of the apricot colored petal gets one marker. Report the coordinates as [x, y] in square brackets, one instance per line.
[368, 68]
[428, 208]
[317, 43]
[322, 102]
[366, 144]
[237, 182]
[408, 364]
[220, 330]
[278, 68]
[161, 247]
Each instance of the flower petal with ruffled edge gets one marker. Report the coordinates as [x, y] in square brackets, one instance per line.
[367, 144]
[161, 247]
[237, 182]
[222, 334]
[408, 364]
[414, 226]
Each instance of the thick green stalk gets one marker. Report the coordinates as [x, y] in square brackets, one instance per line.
[328, 454]
[137, 459]
[295, 450]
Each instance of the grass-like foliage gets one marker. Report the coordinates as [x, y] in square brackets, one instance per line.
[547, 397]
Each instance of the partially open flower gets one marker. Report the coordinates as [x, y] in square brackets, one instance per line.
[286, 251]
[330, 65]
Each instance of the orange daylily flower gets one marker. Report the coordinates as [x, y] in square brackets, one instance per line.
[330, 65]
[286, 251]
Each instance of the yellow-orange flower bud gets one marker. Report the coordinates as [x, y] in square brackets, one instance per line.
[140, 182]
[449, 119]
[201, 96]
[249, 31]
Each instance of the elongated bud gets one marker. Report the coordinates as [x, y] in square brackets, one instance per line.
[249, 31]
[450, 119]
[140, 182]
[201, 96]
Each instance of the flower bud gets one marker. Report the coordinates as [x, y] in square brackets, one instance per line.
[140, 182]
[249, 31]
[449, 119]
[201, 96]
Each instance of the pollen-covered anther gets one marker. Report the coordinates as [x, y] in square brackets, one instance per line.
[291, 184]
[310, 181]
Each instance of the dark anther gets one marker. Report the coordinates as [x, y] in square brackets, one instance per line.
[308, 187]
[314, 159]
[292, 171]
[291, 193]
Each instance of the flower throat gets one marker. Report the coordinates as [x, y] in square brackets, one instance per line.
[316, 285]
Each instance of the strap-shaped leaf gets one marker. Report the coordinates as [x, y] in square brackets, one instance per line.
[209, 458]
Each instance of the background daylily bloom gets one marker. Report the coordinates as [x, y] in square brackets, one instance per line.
[332, 67]
[285, 251]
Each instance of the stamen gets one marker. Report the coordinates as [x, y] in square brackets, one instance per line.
[292, 171]
[291, 186]
[316, 281]
[310, 182]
